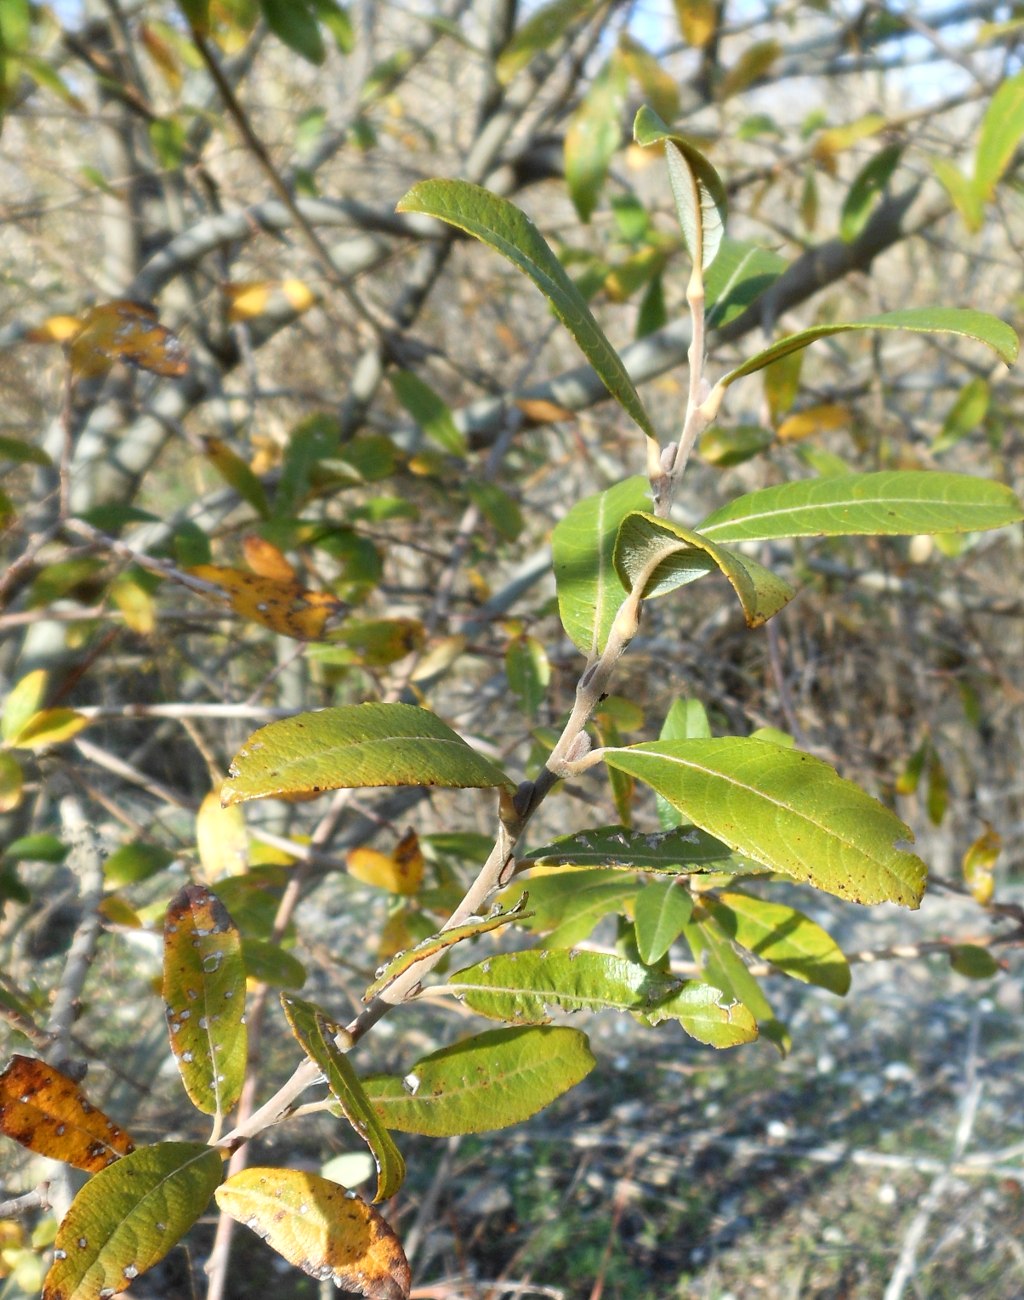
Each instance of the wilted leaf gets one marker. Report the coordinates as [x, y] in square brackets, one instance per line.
[355, 745]
[321, 1228]
[266, 559]
[287, 608]
[128, 1216]
[47, 1112]
[656, 556]
[315, 1035]
[696, 186]
[125, 331]
[204, 998]
[813, 420]
[487, 1082]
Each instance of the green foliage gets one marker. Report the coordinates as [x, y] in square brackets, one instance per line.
[336, 551]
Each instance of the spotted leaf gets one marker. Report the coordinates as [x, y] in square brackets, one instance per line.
[47, 1112]
[284, 606]
[204, 998]
[125, 331]
[128, 1217]
[321, 1228]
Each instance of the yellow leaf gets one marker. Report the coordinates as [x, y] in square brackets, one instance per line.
[48, 727]
[135, 603]
[834, 141]
[539, 410]
[814, 419]
[11, 783]
[55, 329]
[247, 299]
[266, 559]
[979, 865]
[115, 910]
[321, 1228]
[697, 20]
[284, 607]
[222, 841]
[47, 1112]
[398, 873]
[162, 55]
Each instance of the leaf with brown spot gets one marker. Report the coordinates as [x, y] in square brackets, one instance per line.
[204, 998]
[321, 1228]
[47, 1112]
[128, 1217]
[316, 1036]
[285, 607]
[123, 330]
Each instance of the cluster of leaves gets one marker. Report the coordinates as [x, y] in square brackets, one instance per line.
[734, 812]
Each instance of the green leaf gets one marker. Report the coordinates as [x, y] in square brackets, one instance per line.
[499, 508]
[593, 135]
[657, 556]
[270, 964]
[700, 1011]
[724, 447]
[965, 193]
[22, 453]
[1001, 130]
[740, 274]
[889, 502]
[973, 962]
[723, 967]
[582, 546]
[661, 910]
[967, 413]
[355, 745]
[570, 903]
[783, 936]
[204, 998]
[865, 190]
[134, 862]
[979, 325]
[684, 850]
[505, 228]
[128, 1216]
[528, 671]
[335, 18]
[696, 187]
[321, 1228]
[35, 848]
[439, 942]
[316, 1034]
[685, 720]
[521, 987]
[789, 811]
[540, 31]
[237, 474]
[293, 22]
[487, 1082]
[429, 411]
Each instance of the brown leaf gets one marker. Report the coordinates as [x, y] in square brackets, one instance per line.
[123, 330]
[47, 1112]
[285, 607]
